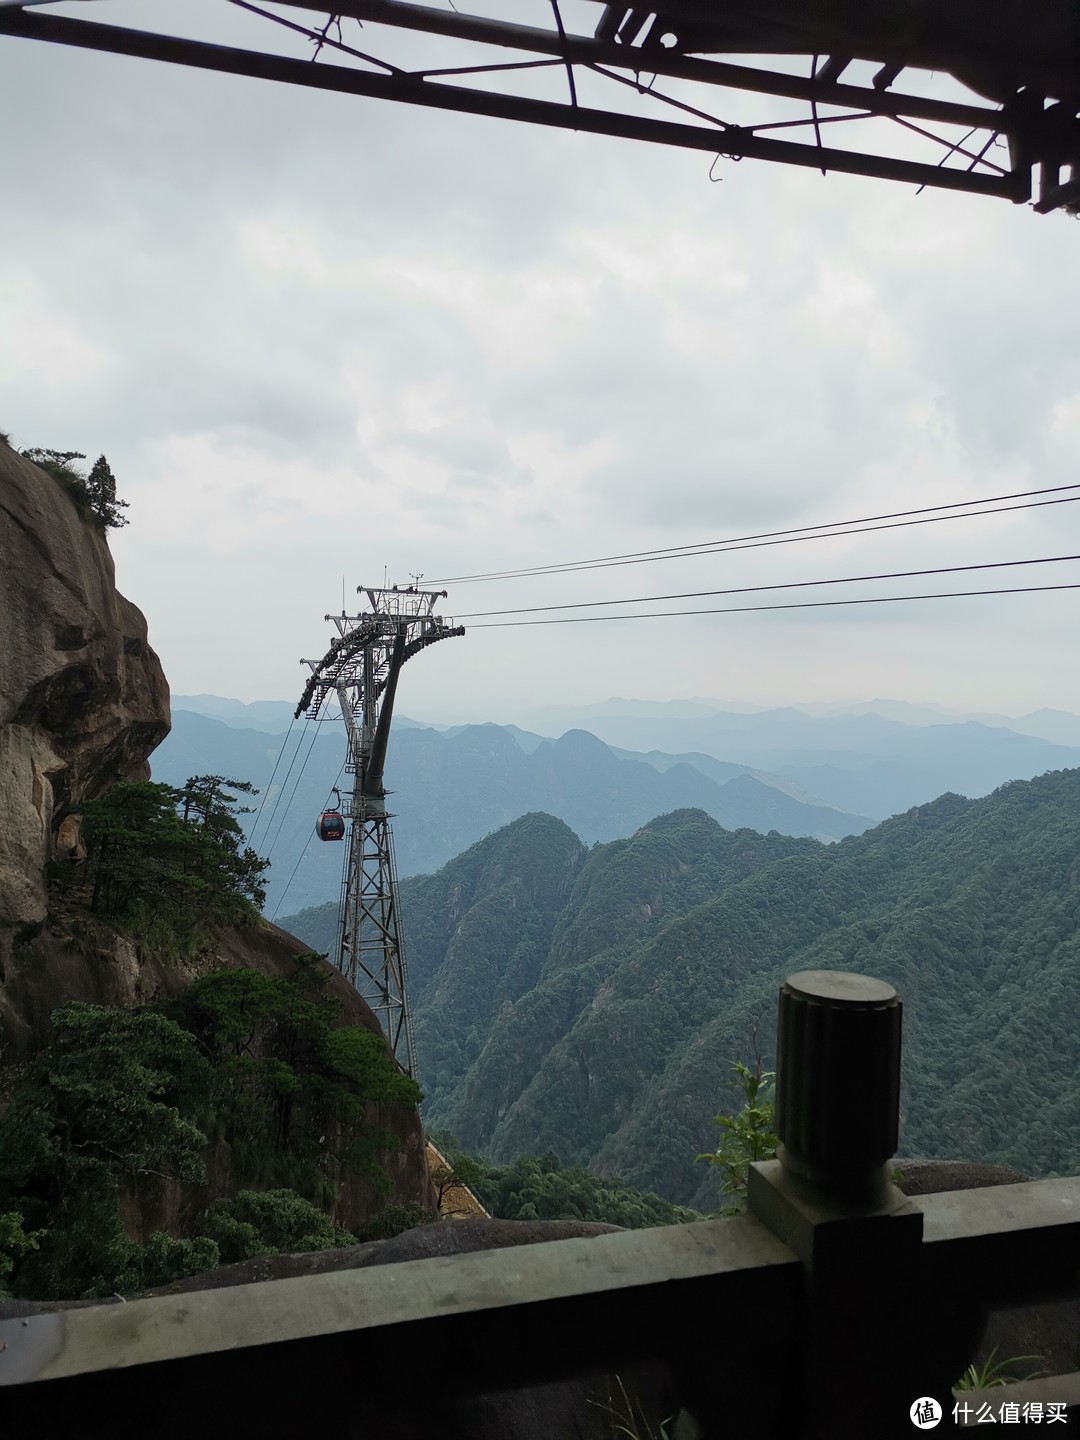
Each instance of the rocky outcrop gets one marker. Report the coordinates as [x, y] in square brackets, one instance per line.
[83, 699]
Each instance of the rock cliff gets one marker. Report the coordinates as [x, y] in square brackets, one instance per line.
[83, 699]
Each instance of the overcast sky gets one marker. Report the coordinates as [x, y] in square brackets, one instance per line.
[322, 339]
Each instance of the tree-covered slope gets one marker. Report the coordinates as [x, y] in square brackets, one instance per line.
[478, 935]
[614, 1047]
[622, 894]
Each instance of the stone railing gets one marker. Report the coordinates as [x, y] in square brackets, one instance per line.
[835, 1309]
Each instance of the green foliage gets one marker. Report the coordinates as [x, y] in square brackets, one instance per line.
[95, 1110]
[626, 1412]
[167, 863]
[290, 1091]
[748, 1134]
[260, 1222]
[58, 463]
[15, 1243]
[541, 1188]
[463, 1169]
[165, 1260]
[121, 1099]
[994, 1372]
[395, 1220]
[101, 494]
[94, 494]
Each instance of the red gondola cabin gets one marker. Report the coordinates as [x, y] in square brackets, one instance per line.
[331, 826]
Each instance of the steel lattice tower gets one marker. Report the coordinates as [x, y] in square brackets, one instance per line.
[361, 671]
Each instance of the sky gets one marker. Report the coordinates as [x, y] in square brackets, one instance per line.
[325, 339]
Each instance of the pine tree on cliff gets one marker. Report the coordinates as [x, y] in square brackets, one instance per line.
[94, 494]
[101, 493]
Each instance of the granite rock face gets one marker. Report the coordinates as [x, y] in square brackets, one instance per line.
[83, 700]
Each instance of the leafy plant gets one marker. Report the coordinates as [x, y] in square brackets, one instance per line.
[15, 1244]
[993, 1372]
[748, 1135]
[627, 1415]
[394, 1220]
[260, 1222]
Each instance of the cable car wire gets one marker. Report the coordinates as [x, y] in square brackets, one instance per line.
[285, 782]
[792, 605]
[303, 852]
[788, 585]
[780, 537]
[292, 796]
[270, 783]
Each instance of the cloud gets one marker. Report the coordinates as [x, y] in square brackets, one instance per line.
[320, 336]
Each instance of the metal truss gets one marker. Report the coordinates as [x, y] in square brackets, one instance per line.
[657, 76]
[360, 670]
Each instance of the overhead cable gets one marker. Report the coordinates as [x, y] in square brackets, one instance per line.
[292, 793]
[270, 783]
[277, 798]
[778, 537]
[303, 852]
[787, 585]
[792, 605]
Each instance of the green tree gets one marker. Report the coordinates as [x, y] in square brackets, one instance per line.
[205, 801]
[15, 1244]
[173, 859]
[269, 1222]
[748, 1134]
[94, 494]
[119, 1099]
[57, 463]
[95, 1111]
[542, 1188]
[101, 494]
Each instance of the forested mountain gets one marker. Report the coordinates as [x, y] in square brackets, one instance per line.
[452, 787]
[592, 1004]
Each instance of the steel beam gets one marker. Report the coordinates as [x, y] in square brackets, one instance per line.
[581, 50]
[733, 142]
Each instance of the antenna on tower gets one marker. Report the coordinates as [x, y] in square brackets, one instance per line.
[361, 670]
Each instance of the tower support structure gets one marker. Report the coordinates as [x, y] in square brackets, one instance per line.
[360, 673]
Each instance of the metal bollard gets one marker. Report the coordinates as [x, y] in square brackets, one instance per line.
[866, 1353]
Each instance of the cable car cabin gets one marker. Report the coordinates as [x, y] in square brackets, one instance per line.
[331, 826]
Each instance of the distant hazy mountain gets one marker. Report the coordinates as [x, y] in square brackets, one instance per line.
[857, 759]
[451, 788]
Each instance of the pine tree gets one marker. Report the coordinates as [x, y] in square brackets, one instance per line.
[101, 491]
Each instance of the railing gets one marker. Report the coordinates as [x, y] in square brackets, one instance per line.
[826, 1312]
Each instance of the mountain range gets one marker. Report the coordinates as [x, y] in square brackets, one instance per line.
[620, 763]
[592, 1001]
[454, 786]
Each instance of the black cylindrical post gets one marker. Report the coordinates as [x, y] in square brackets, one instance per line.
[838, 1078]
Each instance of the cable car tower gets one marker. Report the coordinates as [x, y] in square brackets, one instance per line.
[361, 671]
